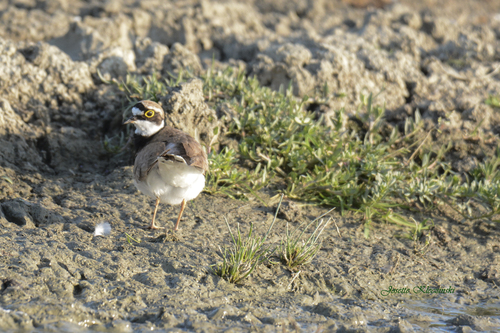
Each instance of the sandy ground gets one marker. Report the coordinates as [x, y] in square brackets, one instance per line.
[57, 182]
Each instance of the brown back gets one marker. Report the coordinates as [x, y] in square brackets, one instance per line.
[169, 141]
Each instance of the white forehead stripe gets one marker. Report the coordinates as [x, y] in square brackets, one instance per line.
[136, 111]
[158, 108]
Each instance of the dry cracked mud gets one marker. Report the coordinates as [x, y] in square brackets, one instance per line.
[57, 182]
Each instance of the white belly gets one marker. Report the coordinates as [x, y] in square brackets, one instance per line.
[172, 182]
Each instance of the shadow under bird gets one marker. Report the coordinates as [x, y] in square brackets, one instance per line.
[169, 165]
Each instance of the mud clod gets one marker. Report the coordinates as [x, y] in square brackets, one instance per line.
[187, 111]
[290, 211]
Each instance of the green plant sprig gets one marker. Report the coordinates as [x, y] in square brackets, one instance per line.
[294, 251]
[245, 254]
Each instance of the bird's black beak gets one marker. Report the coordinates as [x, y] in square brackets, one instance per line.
[130, 120]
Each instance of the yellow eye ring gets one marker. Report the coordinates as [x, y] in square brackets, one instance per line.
[149, 113]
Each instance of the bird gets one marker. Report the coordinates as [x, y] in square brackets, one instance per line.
[169, 165]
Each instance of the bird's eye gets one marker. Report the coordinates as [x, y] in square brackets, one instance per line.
[149, 113]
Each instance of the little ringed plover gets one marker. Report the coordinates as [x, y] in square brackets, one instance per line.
[169, 164]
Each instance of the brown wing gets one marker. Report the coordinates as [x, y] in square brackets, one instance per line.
[146, 159]
[170, 143]
[196, 155]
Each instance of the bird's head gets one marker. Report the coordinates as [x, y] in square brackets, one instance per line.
[148, 118]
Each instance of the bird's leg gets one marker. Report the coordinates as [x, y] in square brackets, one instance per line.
[152, 226]
[183, 205]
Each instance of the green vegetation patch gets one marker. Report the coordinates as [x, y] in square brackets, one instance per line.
[361, 164]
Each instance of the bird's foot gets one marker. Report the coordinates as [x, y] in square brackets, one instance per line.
[153, 227]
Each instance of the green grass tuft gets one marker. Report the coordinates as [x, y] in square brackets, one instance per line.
[244, 255]
[294, 251]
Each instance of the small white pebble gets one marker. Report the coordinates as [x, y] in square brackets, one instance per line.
[102, 229]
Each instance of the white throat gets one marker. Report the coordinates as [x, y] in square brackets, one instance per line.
[147, 128]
